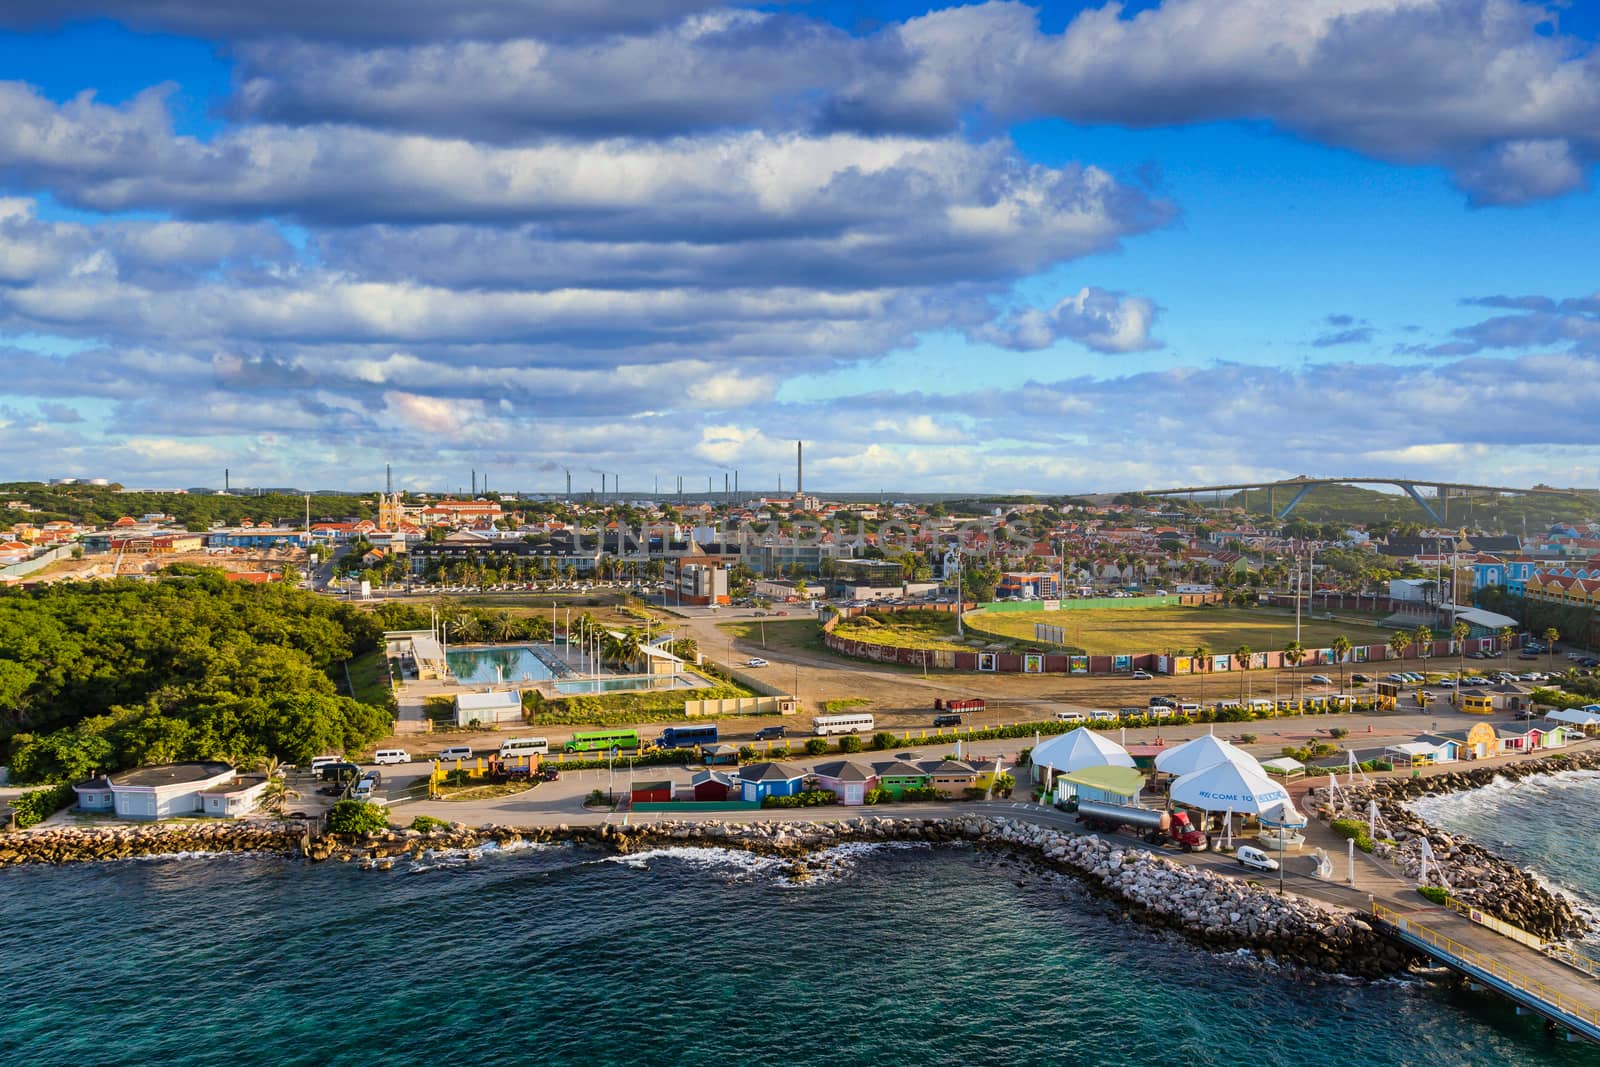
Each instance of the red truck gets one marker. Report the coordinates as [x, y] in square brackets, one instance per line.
[1155, 827]
[972, 704]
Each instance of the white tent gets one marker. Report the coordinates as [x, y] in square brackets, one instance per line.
[1207, 750]
[1080, 748]
[1285, 766]
[1283, 814]
[1229, 787]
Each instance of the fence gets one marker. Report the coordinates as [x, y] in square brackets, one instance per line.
[1454, 951]
[767, 705]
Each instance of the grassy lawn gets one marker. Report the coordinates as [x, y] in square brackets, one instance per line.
[486, 792]
[909, 629]
[369, 675]
[1180, 629]
[803, 635]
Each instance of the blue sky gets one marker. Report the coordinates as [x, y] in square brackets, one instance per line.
[987, 247]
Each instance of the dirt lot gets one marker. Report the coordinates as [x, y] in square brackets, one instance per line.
[231, 560]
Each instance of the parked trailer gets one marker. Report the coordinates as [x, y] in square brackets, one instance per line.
[1155, 827]
[964, 704]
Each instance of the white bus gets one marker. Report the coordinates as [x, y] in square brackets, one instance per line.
[823, 725]
[513, 747]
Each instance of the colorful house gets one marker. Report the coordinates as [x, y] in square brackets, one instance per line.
[714, 786]
[950, 777]
[849, 780]
[897, 776]
[758, 781]
[654, 792]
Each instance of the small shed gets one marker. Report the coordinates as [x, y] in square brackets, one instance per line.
[95, 795]
[713, 785]
[233, 800]
[721, 755]
[1446, 749]
[656, 792]
[487, 709]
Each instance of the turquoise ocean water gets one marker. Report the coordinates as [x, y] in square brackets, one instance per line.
[900, 955]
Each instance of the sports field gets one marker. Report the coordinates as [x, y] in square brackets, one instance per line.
[1176, 629]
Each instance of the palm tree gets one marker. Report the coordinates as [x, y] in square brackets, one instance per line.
[1507, 633]
[1458, 633]
[1202, 660]
[1399, 641]
[277, 791]
[1424, 639]
[1293, 653]
[1241, 656]
[1551, 636]
[1341, 649]
[506, 626]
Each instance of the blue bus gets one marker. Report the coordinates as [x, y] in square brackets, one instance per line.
[688, 736]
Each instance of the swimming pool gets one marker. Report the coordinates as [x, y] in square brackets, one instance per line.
[511, 663]
[615, 685]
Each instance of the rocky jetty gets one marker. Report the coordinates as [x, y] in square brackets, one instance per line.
[78, 844]
[1477, 876]
[1217, 912]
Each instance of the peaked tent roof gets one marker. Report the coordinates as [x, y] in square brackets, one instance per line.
[1207, 750]
[1080, 748]
[1229, 787]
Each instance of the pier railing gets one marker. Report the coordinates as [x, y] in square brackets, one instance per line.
[1556, 951]
[1487, 965]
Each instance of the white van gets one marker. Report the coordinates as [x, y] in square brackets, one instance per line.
[1188, 709]
[1102, 715]
[319, 762]
[1069, 716]
[385, 756]
[513, 747]
[455, 752]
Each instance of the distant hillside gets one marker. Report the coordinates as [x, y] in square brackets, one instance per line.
[1354, 504]
[99, 504]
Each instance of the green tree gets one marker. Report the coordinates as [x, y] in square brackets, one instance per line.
[1458, 633]
[1242, 657]
[1341, 649]
[1399, 641]
[1424, 639]
[1551, 636]
[1507, 635]
[1293, 653]
[1202, 661]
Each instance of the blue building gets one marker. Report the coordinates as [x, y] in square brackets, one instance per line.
[761, 780]
[257, 538]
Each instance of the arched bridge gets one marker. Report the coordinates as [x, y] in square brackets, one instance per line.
[1297, 488]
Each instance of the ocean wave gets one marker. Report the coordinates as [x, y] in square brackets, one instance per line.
[838, 861]
[708, 857]
[451, 858]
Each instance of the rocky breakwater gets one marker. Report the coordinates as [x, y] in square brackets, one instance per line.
[79, 844]
[1214, 911]
[1477, 877]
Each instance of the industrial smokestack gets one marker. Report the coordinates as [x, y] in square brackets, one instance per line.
[226, 479]
[799, 468]
[388, 480]
[474, 483]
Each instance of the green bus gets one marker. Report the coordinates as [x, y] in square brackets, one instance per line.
[601, 740]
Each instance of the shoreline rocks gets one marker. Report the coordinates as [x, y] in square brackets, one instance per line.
[1477, 876]
[1218, 913]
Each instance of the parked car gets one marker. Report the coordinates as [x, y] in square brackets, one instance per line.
[1250, 856]
[1361, 677]
[1142, 676]
[947, 719]
[755, 661]
[1321, 679]
[772, 733]
[319, 762]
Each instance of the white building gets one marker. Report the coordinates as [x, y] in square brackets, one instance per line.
[168, 790]
[486, 709]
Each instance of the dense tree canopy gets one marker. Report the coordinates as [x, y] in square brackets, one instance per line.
[100, 676]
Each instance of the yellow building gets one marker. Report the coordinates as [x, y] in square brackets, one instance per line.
[1476, 703]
